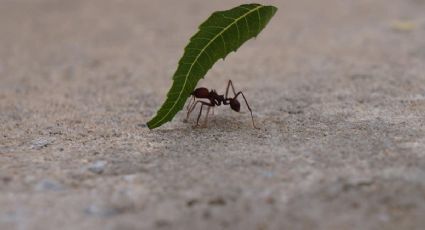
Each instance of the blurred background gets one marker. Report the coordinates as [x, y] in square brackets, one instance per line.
[337, 87]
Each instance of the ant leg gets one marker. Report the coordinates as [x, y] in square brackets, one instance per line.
[230, 83]
[190, 108]
[193, 108]
[206, 117]
[249, 108]
[200, 111]
[190, 102]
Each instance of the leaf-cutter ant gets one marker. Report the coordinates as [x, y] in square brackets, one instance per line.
[215, 100]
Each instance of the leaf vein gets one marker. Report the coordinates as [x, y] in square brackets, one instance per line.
[216, 27]
[224, 43]
[229, 18]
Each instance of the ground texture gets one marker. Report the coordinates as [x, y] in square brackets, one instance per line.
[337, 87]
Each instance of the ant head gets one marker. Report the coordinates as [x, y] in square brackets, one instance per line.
[235, 105]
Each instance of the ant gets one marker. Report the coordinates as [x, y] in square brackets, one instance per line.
[215, 100]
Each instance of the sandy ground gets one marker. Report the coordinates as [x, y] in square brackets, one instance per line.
[337, 87]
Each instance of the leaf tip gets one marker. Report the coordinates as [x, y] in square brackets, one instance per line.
[149, 125]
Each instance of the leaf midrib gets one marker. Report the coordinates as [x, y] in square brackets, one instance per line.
[197, 57]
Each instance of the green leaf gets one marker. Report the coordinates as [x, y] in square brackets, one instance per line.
[222, 33]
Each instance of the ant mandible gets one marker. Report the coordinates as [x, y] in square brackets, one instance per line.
[215, 100]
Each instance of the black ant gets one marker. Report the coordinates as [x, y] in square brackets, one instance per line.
[215, 100]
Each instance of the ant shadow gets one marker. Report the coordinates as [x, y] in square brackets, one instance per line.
[222, 123]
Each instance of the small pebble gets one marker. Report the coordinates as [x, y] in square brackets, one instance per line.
[162, 223]
[48, 185]
[142, 125]
[268, 174]
[6, 179]
[219, 201]
[100, 211]
[192, 202]
[130, 177]
[403, 26]
[98, 167]
[40, 143]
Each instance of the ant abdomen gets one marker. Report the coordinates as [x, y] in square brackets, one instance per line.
[201, 92]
